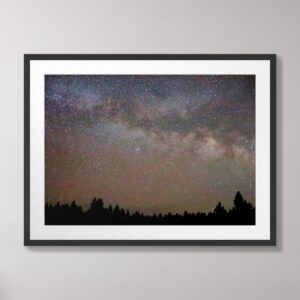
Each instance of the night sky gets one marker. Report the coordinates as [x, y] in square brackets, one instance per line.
[152, 143]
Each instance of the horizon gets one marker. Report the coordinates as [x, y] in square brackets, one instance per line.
[131, 212]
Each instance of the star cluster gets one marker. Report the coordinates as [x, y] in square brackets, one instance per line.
[153, 143]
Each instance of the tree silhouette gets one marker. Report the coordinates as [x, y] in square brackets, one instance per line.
[220, 210]
[242, 213]
[96, 204]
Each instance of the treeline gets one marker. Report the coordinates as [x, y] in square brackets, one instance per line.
[242, 213]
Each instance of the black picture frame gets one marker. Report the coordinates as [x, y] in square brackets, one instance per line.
[31, 57]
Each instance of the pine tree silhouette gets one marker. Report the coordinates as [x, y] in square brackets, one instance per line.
[242, 213]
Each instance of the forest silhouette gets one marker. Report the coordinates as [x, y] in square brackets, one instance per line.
[242, 213]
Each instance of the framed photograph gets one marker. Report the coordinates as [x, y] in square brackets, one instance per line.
[150, 149]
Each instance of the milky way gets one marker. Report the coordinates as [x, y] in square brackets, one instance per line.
[148, 142]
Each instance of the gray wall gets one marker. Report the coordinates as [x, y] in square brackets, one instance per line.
[142, 26]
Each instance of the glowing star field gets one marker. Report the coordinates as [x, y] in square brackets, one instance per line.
[151, 143]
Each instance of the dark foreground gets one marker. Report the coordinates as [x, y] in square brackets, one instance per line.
[242, 213]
